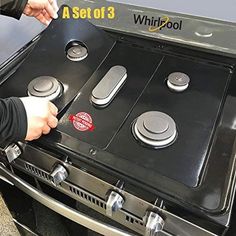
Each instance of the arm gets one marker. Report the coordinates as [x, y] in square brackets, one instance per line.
[26, 118]
[13, 120]
[13, 8]
[43, 10]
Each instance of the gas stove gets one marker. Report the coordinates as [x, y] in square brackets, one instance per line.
[145, 137]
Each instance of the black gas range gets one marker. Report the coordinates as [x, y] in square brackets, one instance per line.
[146, 131]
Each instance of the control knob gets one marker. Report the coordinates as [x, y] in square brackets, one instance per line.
[12, 151]
[154, 224]
[58, 174]
[114, 203]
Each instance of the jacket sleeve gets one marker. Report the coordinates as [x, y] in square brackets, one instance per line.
[13, 8]
[13, 120]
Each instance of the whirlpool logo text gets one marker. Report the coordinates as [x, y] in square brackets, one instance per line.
[157, 23]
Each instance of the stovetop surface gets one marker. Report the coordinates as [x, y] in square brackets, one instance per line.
[183, 170]
[195, 112]
[49, 59]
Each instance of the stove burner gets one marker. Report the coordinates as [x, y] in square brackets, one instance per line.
[155, 129]
[178, 81]
[45, 87]
[77, 52]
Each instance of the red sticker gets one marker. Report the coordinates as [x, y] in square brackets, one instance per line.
[82, 121]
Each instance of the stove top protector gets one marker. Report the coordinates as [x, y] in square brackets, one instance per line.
[88, 46]
[194, 111]
[108, 120]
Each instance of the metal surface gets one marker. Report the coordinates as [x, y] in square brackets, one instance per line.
[176, 88]
[114, 203]
[60, 208]
[95, 195]
[192, 31]
[12, 152]
[58, 174]
[209, 9]
[24, 228]
[109, 86]
[77, 53]
[155, 128]
[154, 225]
[45, 87]
[6, 180]
[178, 81]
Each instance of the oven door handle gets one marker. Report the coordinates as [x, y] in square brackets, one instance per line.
[60, 208]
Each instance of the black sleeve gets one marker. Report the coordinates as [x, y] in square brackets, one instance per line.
[13, 8]
[13, 120]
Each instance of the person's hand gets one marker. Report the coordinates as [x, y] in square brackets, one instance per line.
[41, 116]
[43, 10]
